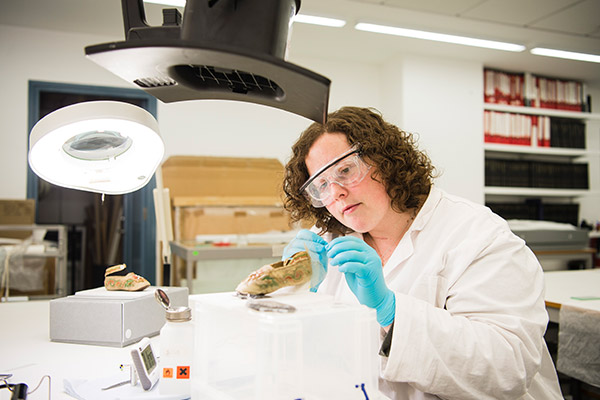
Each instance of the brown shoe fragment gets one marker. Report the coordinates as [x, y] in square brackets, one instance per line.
[296, 270]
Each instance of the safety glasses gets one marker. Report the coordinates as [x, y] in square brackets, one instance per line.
[347, 170]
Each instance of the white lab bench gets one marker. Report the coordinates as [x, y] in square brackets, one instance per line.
[562, 286]
[573, 303]
[27, 352]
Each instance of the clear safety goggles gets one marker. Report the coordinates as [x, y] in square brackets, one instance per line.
[347, 170]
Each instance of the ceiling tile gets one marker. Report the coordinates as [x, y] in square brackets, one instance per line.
[580, 19]
[516, 12]
[444, 7]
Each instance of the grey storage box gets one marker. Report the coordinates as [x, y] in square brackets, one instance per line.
[110, 318]
[551, 239]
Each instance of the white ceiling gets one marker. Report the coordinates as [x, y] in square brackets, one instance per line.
[562, 24]
[573, 17]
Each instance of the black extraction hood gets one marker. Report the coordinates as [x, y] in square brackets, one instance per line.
[223, 49]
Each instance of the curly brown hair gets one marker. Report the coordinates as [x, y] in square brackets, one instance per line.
[406, 172]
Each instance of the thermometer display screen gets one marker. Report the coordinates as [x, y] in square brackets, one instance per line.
[148, 357]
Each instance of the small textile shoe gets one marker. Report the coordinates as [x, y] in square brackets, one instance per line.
[296, 270]
[115, 278]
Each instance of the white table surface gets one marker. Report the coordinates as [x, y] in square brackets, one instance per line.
[27, 352]
[562, 286]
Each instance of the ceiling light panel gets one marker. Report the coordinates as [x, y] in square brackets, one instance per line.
[439, 37]
[173, 3]
[317, 20]
[569, 55]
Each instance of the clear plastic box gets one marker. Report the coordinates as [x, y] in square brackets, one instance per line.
[322, 351]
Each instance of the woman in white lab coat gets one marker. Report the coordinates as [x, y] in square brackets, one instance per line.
[458, 296]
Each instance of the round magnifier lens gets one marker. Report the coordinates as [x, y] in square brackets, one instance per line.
[97, 145]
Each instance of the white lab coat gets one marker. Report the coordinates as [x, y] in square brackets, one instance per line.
[470, 313]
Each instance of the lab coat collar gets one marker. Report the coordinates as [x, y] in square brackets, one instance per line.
[426, 212]
[406, 248]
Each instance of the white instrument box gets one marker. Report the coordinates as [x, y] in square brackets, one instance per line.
[110, 318]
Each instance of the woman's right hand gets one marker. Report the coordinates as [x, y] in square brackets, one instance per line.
[315, 245]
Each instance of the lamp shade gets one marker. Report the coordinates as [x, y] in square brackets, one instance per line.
[107, 147]
[220, 50]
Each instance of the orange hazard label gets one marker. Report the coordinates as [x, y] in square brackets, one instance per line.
[167, 372]
[183, 372]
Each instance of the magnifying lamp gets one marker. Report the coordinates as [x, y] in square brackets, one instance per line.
[106, 147]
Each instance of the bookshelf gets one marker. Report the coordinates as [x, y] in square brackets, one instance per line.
[529, 151]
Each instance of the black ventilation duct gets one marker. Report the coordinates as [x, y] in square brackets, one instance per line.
[223, 49]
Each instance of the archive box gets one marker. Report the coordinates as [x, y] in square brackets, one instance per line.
[110, 318]
[224, 195]
[321, 351]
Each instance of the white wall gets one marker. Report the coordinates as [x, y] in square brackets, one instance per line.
[438, 99]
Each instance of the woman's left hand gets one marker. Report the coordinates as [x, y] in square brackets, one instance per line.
[364, 274]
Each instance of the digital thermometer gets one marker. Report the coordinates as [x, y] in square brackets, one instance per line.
[145, 363]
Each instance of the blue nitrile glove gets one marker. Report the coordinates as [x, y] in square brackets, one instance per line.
[364, 274]
[315, 244]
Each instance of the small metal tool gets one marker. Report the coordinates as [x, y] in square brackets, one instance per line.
[246, 296]
[133, 377]
[270, 306]
[117, 385]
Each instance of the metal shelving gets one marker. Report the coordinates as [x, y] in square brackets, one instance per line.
[43, 249]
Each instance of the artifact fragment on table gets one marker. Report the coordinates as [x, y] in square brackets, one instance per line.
[293, 271]
[116, 278]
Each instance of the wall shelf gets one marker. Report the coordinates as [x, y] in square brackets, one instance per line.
[535, 192]
[534, 150]
[541, 111]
